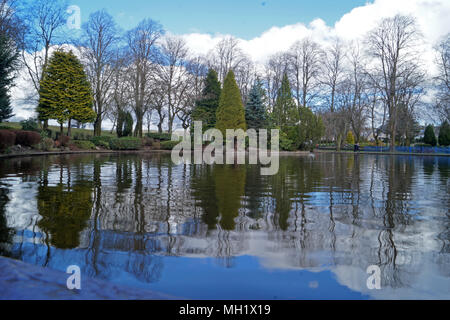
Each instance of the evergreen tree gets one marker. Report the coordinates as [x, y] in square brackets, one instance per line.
[284, 112]
[65, 92]
[429, 136]
[231, 113]
[206, 107]
[8, 64]
[310, 128]
[350, 138]
[124, 124]
[444, 134]
[255, 113]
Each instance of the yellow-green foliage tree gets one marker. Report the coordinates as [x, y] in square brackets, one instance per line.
[350, 138]
[65, 92]
[231, 112]
[230, 188]
[64, 213]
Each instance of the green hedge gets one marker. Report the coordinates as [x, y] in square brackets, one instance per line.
[84, 145]
[100, 141]
[125, 143]
[160, 136]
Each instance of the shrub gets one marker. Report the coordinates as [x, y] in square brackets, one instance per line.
[286, 144]
[84, 145]
[30, 125]
[125, 143]
[124, 124]
[444, 134]
[63, 140]
[7, 139]
[429, 136]
[27, 138]
[156, 145]
[103, 144]
[160, 136]
[148, 142]
[168, 145]
[46, 144]
[350, 138]
[100, 141]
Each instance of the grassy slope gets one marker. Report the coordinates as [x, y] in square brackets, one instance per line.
[17, 125]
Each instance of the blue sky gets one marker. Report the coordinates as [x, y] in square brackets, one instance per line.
[244, 19]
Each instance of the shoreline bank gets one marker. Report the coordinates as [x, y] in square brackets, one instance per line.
[24, 281]
[281, 153]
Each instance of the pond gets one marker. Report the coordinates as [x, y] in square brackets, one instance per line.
[227, 232]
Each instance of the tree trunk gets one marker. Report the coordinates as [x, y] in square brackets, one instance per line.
[98, 127]
[392, 146]
[69, 128]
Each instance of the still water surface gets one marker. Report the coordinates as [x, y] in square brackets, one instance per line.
[226, 232]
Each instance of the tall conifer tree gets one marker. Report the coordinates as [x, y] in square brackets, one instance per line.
[255, 113]
[231, 112]
[206, 107]
[65, 93]
[8, 63]
[284, 111]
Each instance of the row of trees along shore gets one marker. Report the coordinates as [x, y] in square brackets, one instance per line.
[371, 87]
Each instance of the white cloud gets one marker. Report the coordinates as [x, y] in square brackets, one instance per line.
[432, 17]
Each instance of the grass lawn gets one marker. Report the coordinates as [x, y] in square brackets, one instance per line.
[75, 132]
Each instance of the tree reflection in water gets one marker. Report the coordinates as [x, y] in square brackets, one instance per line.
[129, 213]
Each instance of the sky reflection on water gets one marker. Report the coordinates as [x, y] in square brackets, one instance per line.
[226, 232]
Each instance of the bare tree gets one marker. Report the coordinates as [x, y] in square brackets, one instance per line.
[11, 24]
[357, 83]
[226, 56]
[442, 106]
[173, 76]
[275, 68]
[98, 51]
[119, 96]
[141, 44]
[332, 72]
[305, 57]
[331, 76]
[392, 44]
[196, 72]
[377, 112]
[45, 18]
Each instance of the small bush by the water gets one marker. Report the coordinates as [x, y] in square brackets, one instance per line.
[125, 143]
[286, 144]
[101, 141]
[103, 144]
[7, 139]
[148, 142]
[168, 145]
[46, 144]
[444, 134]
[27, 138]
[429, 136]
[84, 145]
[63, 141]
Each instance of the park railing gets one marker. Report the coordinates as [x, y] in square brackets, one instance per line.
[416, 149]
